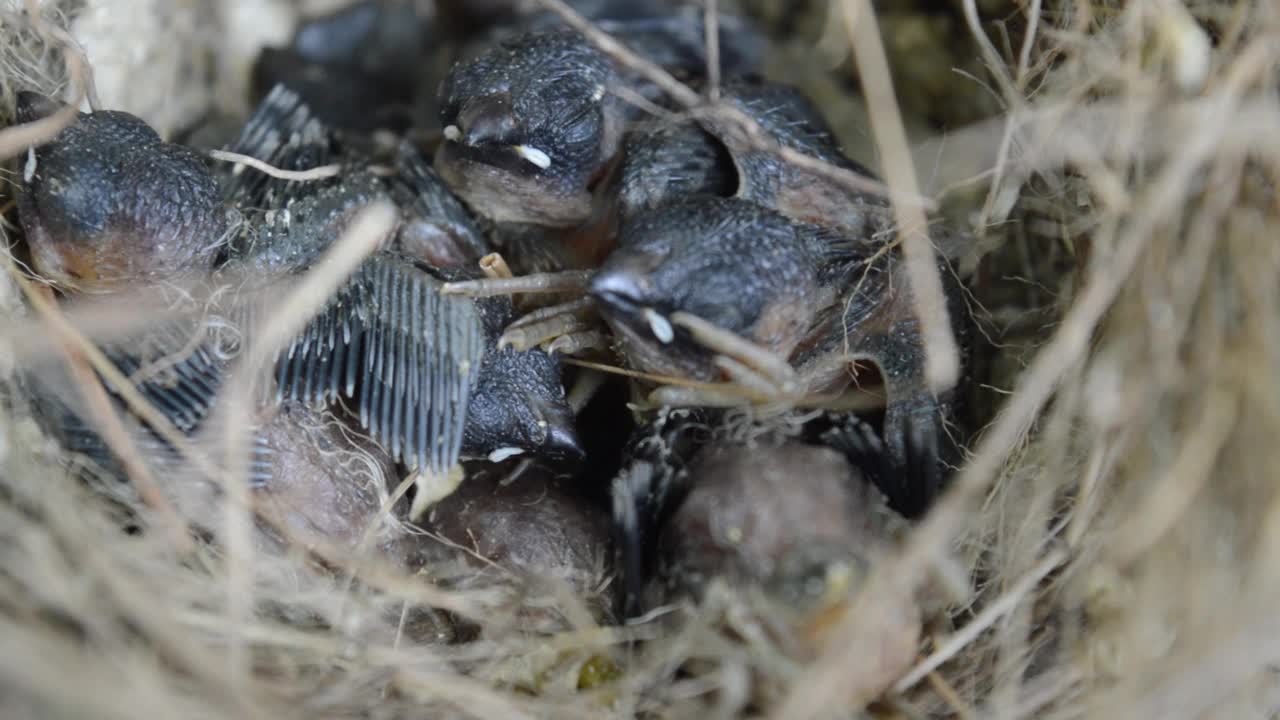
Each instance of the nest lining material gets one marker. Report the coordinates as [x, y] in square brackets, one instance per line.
[1110, 542]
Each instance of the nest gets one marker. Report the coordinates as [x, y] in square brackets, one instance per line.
[1106, 546]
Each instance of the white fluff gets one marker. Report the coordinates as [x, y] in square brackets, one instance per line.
[534, 156]
[29, 170]
[503, 453]
[659, 325]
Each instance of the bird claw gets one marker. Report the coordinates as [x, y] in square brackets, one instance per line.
[912, 433]
[546, 325]
[578, 342]
[724, 342]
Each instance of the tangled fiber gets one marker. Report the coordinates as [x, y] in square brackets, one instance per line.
[1107, 545]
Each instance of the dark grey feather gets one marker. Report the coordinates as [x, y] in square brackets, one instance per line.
[407, 356]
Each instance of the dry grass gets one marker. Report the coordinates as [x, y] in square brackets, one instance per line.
[1107, 548]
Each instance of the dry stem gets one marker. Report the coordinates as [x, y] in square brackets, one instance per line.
[942, 358]
[316, 173]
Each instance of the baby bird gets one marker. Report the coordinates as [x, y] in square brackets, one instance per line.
[107, 204]
[360, 67]
[423, 369]
[792, 528]
[318, 478]
[735, 267]
[726, 291]
[519, 404]
[435, 227]
[312, 476]
[407, 356]
[734, 264]
[789, 119]
[532, 529]
[528, 128]
[533, 123]
[386, 340]
[667, 160]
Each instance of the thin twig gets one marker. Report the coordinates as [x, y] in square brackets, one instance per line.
[942, 357]
[1185, 478]
[551, 282]
[1098, 466]
[951, 697]
[852, 399]
[495, 267]
[383, 519]
[1056, 135]
[367, 231]
[1028, 41]
[315, 173]
[1012, 95]
[632, 97]
[712, 23]
[985, 619]
[653, 72]
[171, 360]
[672, 380]
[989, 53]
